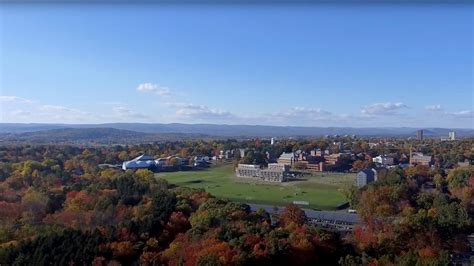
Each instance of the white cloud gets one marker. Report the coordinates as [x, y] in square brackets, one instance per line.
[60, 113]
[300, 116]
[434, 108]
[461, 114]
[59, 109]
[383, 108]
[63, 114]
[14, 99]
[199, 112]
[122, 112]
[303, 111]
[21, 113]
[50, 114]
[154, 88]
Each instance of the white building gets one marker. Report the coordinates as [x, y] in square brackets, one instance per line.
[140, 162]
[366, 177]
[452, 135]
[242, 152]
[383, 159]
[247, 170]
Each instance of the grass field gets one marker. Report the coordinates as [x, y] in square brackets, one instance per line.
[322, 191]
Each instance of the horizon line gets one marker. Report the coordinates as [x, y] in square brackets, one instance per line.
[212, 124]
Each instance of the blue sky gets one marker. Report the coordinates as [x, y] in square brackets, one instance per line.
[302, 65]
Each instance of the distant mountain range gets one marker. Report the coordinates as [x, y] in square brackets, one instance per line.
[93, 136]
[141, 132]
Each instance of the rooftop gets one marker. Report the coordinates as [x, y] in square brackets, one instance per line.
[287, 155]
[143, 157]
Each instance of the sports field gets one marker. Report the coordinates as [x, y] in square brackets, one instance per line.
[321, 191]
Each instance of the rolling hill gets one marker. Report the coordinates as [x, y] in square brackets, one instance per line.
[93, 135]
[230, 130]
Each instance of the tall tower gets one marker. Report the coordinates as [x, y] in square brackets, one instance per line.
[452, 135]
[419, 134]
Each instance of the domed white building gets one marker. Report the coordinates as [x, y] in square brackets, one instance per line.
[141, 162]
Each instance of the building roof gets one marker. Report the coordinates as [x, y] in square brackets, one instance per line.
[421, 157]
[368, 171]
[142, 161]
[248, 166]
[143, 157]
[384, 156]
[287, 155]
[139, 164]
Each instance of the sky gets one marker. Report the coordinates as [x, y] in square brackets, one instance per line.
[289, 65]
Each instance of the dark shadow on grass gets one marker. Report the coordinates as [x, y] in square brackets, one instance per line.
[197, 181]
[297, 179]
[200, 169]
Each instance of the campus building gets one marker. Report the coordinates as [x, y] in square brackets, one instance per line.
[287, 158]
[247, 170]
[141, 162]
[333, 159]
[315, 167]
[417, 158]
[383, 160]
[319, 152]
[366, 176]
[147, 162]
[274, 173]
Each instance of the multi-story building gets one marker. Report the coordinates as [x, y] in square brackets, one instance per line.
[417, 158]
[383, 160]
[227, 154]
[315, 167]
[274, 172]
[419, 134]
[302, 160]
[452, 135]
[333, 159]
[366, 176]
[247, 170]
[288, 158]
[319, 152]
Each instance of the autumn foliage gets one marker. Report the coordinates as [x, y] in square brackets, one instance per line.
[58, 206]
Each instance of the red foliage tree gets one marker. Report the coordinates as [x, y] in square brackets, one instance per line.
[292, 214]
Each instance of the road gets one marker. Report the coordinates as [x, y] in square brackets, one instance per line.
[337, 220]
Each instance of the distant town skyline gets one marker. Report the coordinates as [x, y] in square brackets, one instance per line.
[292, 65]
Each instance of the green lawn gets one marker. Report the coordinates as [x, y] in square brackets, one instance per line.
[322, 191]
